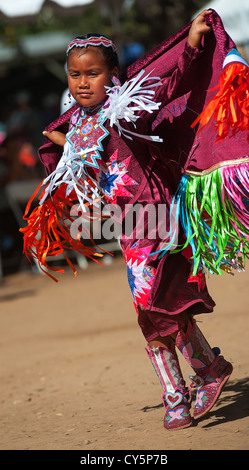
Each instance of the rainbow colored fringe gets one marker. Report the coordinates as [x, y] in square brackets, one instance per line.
[212, 209]
[212, 206]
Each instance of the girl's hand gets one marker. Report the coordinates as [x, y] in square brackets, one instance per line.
[56, 137]
[198, 29]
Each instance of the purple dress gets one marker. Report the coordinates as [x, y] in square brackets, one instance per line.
[144, 174]
[134, 174]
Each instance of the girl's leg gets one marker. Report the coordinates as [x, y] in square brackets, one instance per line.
[176, 396]
[211, 369]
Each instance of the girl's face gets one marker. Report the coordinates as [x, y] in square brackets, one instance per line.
[88, 74]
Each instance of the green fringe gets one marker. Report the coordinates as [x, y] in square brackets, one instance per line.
[214, 220]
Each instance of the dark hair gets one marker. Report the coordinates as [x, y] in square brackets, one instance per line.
[109, 54]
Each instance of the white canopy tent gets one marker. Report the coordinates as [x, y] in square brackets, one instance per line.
[17, 8]
[235, 17]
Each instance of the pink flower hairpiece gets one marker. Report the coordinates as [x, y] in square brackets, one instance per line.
[92, 41]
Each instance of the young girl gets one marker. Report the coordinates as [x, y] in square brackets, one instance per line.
[112, 153]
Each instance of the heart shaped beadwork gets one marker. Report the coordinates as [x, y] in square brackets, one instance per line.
[173, 399]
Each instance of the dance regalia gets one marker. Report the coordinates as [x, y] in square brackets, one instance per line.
[200, 175]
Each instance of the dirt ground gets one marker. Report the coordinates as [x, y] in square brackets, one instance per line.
[75, 375]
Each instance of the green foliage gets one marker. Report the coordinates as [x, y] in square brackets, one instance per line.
[138, 20]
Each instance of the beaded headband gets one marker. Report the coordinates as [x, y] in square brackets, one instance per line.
[92, 41]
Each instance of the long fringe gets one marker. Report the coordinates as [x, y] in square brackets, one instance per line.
[229, 108]
[47, 233]
[213, 212]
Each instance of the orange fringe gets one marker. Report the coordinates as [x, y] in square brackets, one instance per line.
[230, 106]
[48, 231]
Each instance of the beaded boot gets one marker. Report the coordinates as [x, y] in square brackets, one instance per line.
[211, 369]
[176, 396]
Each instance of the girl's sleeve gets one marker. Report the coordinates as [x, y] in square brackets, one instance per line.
[178, 82]
[177, 78]
[134, 107]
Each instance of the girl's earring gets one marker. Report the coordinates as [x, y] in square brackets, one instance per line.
[68, 99]
[115, 81]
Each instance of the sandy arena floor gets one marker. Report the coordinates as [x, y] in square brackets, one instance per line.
[75, 376]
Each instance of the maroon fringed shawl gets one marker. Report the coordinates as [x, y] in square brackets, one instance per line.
[209, 177]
